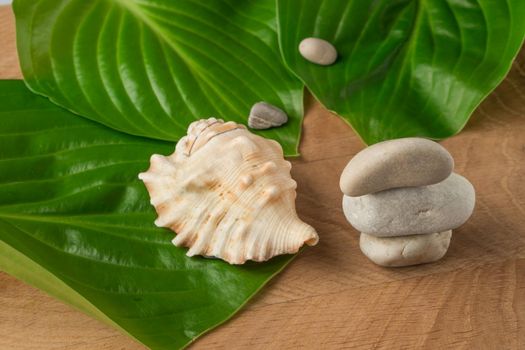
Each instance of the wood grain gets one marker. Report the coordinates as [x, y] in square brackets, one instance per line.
[331, 296]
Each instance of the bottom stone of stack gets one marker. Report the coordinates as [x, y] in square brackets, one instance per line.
[405, 250]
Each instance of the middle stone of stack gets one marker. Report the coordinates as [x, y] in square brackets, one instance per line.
[404, 199]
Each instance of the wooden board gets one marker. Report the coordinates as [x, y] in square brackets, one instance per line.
[331, 296]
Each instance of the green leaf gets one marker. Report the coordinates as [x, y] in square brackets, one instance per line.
[76, 222]
[150, 67]
[405, 67]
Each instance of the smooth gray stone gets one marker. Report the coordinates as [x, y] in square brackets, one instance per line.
[397, 163]
[264, 115]
[318, 51]
[405, 250]
[412, 210]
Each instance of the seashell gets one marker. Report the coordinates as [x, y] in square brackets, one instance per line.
[227, 193]
[264, 115]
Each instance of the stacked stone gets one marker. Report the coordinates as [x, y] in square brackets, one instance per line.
[405, 199]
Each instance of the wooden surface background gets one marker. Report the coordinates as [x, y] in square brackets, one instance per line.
[331, 296]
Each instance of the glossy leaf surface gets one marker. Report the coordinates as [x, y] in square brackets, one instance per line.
[76, 222]
[405, 67]
[150, 67]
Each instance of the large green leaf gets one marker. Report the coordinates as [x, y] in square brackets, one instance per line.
[405, 67]
[150, 67]
[76, 222]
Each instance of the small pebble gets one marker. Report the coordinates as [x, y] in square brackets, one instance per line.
[405, 250]
[264, 115]
[397, 163]
[318, 51]
[412, 210]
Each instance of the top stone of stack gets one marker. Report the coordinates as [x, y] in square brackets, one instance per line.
[406, 162]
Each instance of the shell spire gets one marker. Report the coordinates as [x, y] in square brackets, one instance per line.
[227, 193]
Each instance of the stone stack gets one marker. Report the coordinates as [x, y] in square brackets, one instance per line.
[404, 198]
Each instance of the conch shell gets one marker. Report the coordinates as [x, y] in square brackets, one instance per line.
[227, 193]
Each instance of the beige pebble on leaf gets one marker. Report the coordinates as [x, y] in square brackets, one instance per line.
[318, 51]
